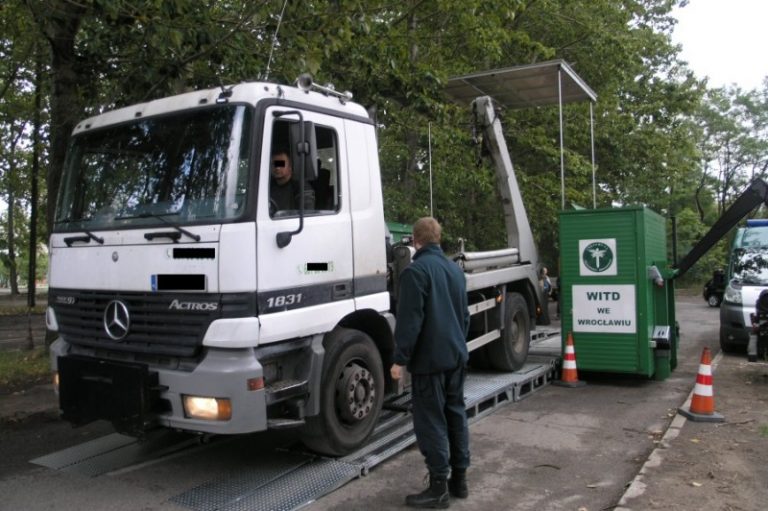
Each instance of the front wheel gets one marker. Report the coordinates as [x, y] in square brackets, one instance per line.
[351, 394]
[510, 351]
[725, 345]
[713, 300]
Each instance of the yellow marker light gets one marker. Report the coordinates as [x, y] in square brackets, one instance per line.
[207, 408]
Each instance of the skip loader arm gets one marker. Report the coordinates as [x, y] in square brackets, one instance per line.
[519, 234]
[754, 195]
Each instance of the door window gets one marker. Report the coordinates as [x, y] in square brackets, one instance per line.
[320, 196]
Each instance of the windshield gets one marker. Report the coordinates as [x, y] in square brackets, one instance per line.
[191, 165]
[750, 267]
[755, 237]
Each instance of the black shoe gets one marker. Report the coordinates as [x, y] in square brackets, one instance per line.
[434, 497]
[457, 484]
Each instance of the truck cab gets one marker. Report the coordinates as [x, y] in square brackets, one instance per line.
[168, 248]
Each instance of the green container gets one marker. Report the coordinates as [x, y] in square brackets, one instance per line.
[399, 231]
[617, 298]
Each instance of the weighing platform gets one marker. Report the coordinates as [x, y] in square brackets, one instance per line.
[288, 478]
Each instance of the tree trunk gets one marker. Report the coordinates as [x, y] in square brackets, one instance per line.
[12, 273]
[697, 194]
[60, 23]
[30, 336]
[11, 182]
[412, 134]
[32, 275]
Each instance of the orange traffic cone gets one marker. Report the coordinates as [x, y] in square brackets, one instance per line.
[702, 407]
[569, 376]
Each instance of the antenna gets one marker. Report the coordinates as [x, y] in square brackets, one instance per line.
[274, 40]
[431, 208]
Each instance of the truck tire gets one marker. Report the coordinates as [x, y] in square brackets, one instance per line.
[478, 358]
[351, 394]
[510, 351]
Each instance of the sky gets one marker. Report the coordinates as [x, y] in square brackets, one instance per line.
[726, 40]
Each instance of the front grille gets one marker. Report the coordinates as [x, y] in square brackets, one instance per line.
[155, 327]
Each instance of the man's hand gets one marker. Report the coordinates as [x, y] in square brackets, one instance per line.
[396, 371]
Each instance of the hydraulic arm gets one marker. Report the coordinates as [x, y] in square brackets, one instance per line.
[755, 194]
[519, 233]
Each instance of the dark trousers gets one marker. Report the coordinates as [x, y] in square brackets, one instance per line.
[440, 420]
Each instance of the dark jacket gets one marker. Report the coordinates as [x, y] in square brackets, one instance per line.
[432, 314]
[288, 196]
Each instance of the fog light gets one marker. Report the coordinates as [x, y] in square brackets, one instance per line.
[207, 408]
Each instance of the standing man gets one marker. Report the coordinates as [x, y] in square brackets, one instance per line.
[430, 338]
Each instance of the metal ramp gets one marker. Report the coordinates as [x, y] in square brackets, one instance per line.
[116, 451]
[298, 479]
[290, 478]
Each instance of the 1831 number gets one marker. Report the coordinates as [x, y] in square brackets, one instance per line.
[283, 300]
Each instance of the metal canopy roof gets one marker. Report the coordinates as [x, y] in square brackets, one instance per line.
[523, 86]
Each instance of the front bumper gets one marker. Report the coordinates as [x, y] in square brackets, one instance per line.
[734, 329]
[153, 394]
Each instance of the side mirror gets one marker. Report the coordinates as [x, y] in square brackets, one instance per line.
[304, 149]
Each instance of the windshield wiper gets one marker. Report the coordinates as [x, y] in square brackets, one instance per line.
[160, 216]
[86, 239]
[70, 220]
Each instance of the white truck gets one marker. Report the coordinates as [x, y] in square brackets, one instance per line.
[182, 297]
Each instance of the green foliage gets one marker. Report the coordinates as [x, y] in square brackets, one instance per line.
[21, 235]
[690, 229]
[21, 368]
[661, 138]
[734, 145]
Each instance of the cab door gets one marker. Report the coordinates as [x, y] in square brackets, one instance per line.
[306, 286]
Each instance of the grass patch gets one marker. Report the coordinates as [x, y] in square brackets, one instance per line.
[20, 310]
[23, 368]
[15, 305]
[764, 431]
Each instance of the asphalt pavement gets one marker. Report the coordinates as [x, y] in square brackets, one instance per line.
[616, 443]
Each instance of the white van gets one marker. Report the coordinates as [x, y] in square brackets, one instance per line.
[747, 277]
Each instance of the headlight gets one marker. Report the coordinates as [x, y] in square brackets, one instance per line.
[733, 293]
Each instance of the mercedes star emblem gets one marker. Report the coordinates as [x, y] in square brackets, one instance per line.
[117, 321]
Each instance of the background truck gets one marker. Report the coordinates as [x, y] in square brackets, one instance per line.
[183, 298]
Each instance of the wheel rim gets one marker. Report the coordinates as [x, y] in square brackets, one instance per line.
[515, 332]
[713, 300]
[355, 393]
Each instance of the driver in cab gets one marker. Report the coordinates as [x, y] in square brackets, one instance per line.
[284, 189]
